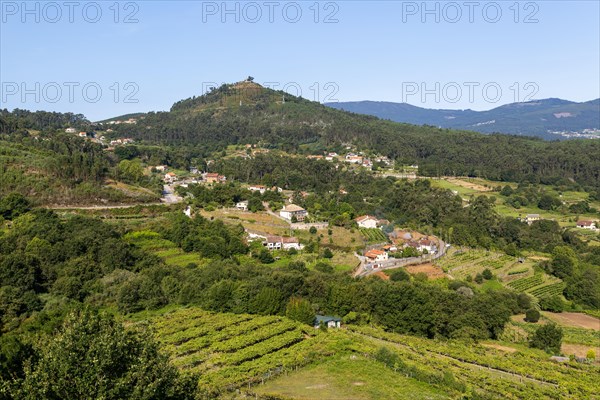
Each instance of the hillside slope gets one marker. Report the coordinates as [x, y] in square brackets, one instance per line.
[245, 113]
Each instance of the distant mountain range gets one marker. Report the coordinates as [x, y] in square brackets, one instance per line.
[550, 119]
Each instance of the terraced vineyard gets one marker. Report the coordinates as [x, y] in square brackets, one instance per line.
[550, 290]
[373, 235]
[523, 284]
[230, 350]
[165, 249]
[538, 285]
[525, 374]
[470, 262]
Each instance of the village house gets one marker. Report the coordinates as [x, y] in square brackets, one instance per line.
[193, 170]
[376, 255]
[161, 168]
[315, 157]
[282, 243]
[587, 224]
[213, 177]
[366, 221]
[70, 130]
[291, 210]
[242, 205]
[428, 245]
[353, 158]
[83, 134]
[367, 163]
[390, 248]
[170, 177]
[257, 188]
[531, 218]
[328, 321]
[331, 156]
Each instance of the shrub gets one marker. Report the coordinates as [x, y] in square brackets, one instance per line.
[532, 315]
[479, 278]
[312, 230]
[552, 304]
[399, 275]
[548, 338]
[487, 274]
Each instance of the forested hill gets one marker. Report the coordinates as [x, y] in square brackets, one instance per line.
[248, 113]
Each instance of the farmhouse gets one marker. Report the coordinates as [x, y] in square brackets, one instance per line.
[427, 245]
[242, 205]
[213, 177]
[328, 321]
[170, 177]
[282, 242]
[353, 158]
[376, 255]
[290, 211]
[586, 224]
[257, 188]
[366, 221]
[531, 218]
[390, 248]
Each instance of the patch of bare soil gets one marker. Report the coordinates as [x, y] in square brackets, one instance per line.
[430, 270]
[576, 320]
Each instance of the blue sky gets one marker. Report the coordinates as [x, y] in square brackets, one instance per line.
[441, 55]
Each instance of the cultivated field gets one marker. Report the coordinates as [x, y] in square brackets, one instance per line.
[349, 378]
[271, 355]
[165, 249]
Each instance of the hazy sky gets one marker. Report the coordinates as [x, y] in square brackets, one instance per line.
[109, 58]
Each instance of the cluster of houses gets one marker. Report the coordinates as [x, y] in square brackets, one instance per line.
[262, 189]
[282, 243]
[352, 158]
[581, 224]
[127, 121]
[422, 245]
[120, 142]
[209, 177]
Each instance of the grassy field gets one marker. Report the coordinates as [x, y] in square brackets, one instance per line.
[349, 378]
[343, 239]
[256, 222]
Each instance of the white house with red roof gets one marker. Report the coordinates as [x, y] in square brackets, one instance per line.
[376, 255]
[366, 221]
[587, 224]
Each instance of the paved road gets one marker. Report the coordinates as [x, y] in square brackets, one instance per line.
[169, 196]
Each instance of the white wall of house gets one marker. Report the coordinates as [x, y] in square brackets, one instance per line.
[368, 223]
